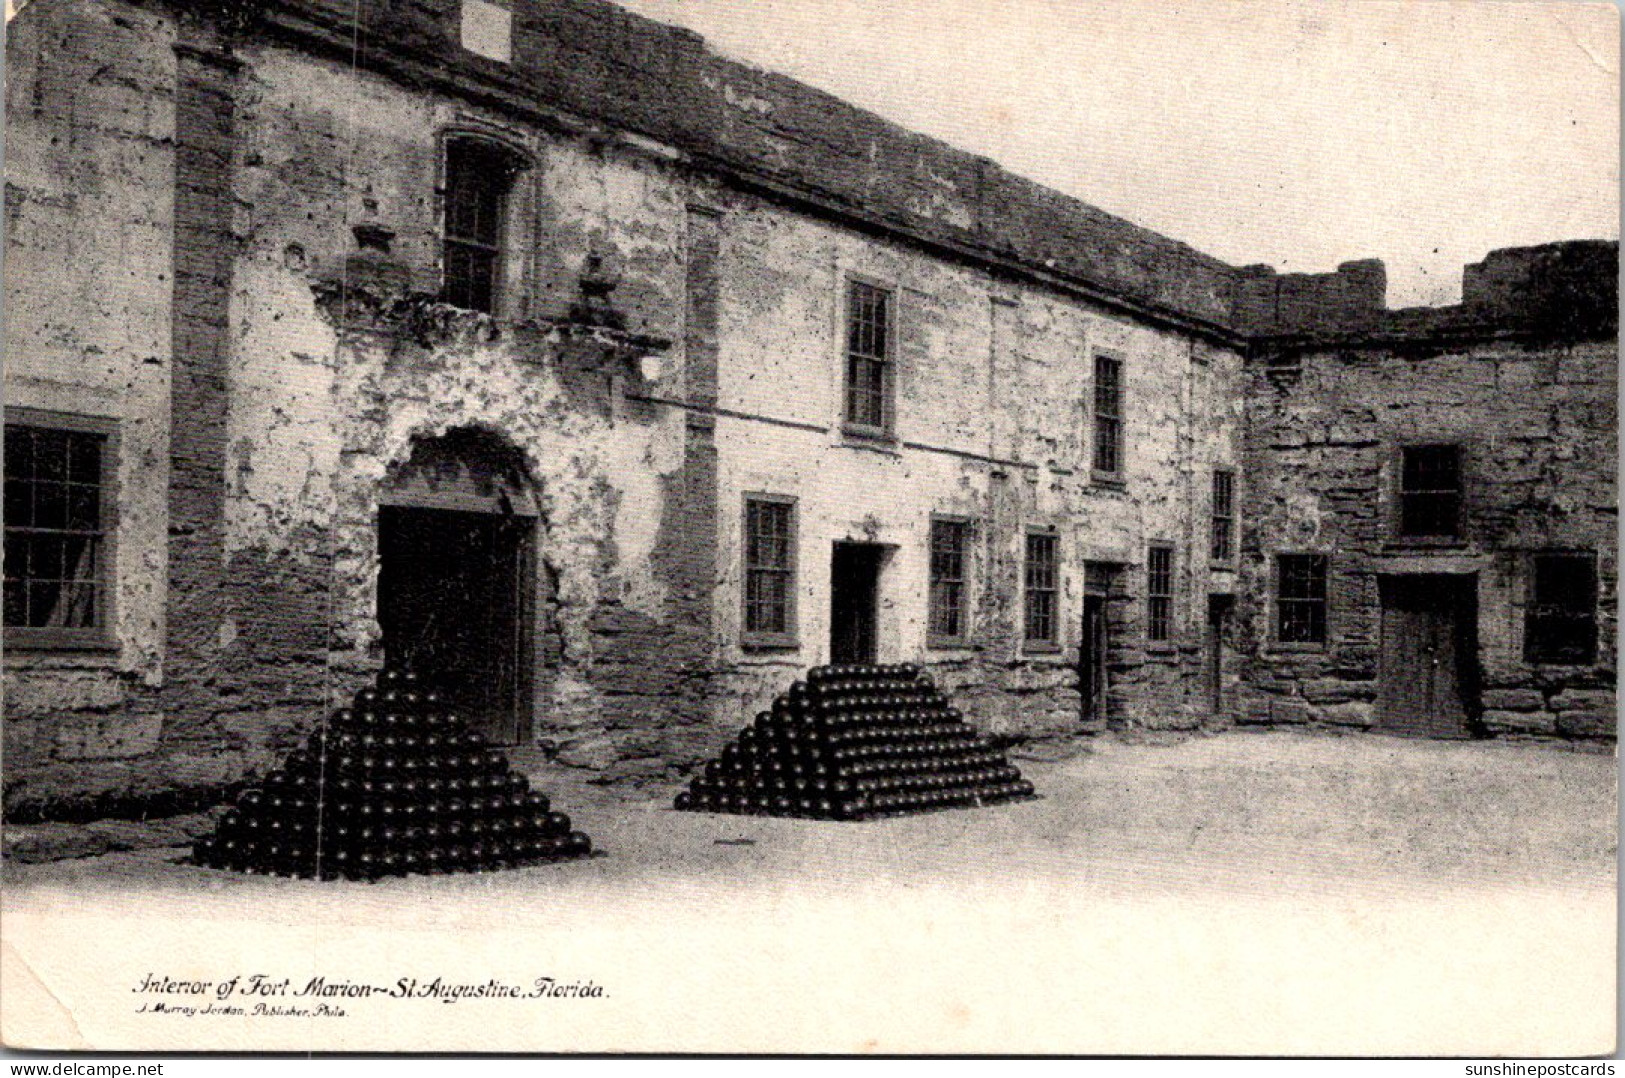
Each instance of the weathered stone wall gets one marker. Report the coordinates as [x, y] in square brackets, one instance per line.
[330, 393]
[89, 170]
[992, 424]
[1536, 416]
[226, 244]
[643, 480]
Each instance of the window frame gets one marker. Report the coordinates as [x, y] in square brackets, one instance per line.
[759, 639]
[1153, 597]
[1052, 642]
[1534, 653]
[511, 161]
[1283, 602]
[853, 283]
[1223, 525]
[103, 635]
[934, 638]
[1403, 497]
[1116, 476]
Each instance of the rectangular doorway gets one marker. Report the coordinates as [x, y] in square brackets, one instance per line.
[1094, 641]
[1428, 662]
[854, 602]
[1217, 640]
[454, 603]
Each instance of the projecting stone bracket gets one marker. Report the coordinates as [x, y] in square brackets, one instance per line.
[586, 346]
[417, 319]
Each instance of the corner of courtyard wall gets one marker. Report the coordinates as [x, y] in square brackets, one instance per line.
[1550, 292]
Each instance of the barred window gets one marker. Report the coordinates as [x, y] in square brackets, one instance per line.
[1430, 491]
[1159, 592]
[1300, 598]
[769, 570]
[1108, 416]
[1561, 620]
[1224, 515]
[949, 540]
[1041, 589]
[479, 175]
[868, 358]
[58, 523]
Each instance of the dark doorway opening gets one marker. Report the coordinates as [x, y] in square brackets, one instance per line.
[1428, 670]
[453, 606]
[1094, 641]
[1219, 609]
[854, 601]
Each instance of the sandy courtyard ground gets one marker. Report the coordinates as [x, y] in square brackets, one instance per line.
[1254, 893]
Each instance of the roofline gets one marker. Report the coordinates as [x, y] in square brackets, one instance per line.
[407, 65]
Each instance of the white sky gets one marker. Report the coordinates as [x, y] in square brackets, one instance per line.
[1424, 132]
[1301, 133]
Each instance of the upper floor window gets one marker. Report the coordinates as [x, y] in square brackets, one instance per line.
[770, 570]
[869, 374]
[479, 177]
[1430, 491]
[1159, 593]
[1108, 462]
[59, 522]
[1042, 588]
[1300, 598]
[1561, 620]
[1224, 516]
[950, 542]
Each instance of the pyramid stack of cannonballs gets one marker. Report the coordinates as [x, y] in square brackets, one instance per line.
[852, 742]
[396, 784]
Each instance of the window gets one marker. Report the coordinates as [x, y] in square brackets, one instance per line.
[1430, 491]
[1224, 515]
[949, 541]
[1561, 621]
[1300, 598]
[770, 550]
[1108, 418]
[868, 358]
[59, 517]
[479, 174]
[1159, 594]
[1041, 579]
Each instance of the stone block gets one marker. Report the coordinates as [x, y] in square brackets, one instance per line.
[1519, 722]
[1289, 711]
[181, 830]
[1337, 690]
[1513, 699]
[49, 693]
[27, 743]
[35, 843]
[1587, 723]
[1253, 709]
[1584, 700]
[594, 753]
[187, 770]
[108, 737]
[1347, 713]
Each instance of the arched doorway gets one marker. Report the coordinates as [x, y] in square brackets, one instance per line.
[456, 546]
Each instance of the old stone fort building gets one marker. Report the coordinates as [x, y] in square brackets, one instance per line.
[613, 384]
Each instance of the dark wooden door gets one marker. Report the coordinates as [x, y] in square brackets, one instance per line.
[1217, 640]
[1424, 674]
[854, 598]
[1092, 659]
[453, 606]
